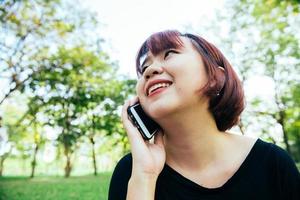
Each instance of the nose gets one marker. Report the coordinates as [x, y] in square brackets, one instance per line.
[153, 70]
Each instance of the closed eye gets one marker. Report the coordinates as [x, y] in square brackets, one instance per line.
[144, 69]
[167, 53]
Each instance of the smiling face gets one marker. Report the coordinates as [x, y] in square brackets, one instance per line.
[171, 80]
[180, 71]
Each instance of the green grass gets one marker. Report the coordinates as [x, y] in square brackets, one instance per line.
[58, 188]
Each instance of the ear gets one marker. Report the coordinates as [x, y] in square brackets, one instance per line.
[220, 75]
[222, 70]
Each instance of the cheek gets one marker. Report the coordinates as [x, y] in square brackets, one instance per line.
[191, 82]
[139, 89]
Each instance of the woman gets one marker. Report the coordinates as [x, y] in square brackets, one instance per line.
[189, 88]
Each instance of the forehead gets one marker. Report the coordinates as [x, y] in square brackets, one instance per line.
[159, 42]
[153, 49]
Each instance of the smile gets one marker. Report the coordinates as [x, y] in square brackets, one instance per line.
[156, 87]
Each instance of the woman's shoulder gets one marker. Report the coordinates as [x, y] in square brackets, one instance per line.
[126, 159]
[122, 171]
[271, 150]
[264, 152]
[260, 146]
[274, 157]
[277, 154]
[120, 178]
[282, 168]
[124, 164]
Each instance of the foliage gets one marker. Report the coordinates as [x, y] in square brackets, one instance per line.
[31, 30]
[71, 80]
[293, 121]
[264, 40]
[51, 53]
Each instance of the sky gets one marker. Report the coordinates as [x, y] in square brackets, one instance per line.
[128, 23]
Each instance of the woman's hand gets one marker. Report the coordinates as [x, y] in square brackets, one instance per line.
[148, 157]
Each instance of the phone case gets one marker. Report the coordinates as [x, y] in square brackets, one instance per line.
[146, 126]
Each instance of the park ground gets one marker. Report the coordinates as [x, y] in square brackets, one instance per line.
[58, 188]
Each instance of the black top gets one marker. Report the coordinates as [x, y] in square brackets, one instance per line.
[268, 172]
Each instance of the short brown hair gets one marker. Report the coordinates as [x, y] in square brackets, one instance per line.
[226, 95]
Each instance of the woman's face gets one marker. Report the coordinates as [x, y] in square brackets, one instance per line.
[171, 81]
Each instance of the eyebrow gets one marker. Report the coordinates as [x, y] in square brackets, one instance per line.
[144, 59]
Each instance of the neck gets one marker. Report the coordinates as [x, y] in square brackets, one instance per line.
[192, 139]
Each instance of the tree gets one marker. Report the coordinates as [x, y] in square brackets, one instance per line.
[32, 33]
[293, 120]
[74, 81]
[102, 117]
[34, 129]
[16, 136]
[264, 37]
[63, 83]
[31, 30]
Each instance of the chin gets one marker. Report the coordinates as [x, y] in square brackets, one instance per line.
[161, 110]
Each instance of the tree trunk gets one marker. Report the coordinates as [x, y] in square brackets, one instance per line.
[285, 136]
[68, 166]
[2, 158]
[241, 127]
[33, 163]
[273, 140]
[286, 141]
[94, 156]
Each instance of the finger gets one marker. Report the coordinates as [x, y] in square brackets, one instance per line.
[124, 115]
[135, 138]
[125, 119]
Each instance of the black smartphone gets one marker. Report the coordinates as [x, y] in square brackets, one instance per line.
[146, 126]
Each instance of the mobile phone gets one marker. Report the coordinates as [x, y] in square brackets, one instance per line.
[146, 126]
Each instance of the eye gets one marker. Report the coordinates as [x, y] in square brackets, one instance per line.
[169, 51]
[144, 69]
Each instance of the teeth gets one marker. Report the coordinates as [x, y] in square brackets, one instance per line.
[158, 85]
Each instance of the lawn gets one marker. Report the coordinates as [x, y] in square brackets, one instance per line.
[58, 188]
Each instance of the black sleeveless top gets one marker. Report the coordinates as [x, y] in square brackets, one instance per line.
[268, 172]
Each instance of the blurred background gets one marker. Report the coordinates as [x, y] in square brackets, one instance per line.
[67, 66]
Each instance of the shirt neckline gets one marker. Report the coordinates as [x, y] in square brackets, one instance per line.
[195, 186]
